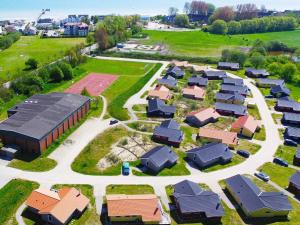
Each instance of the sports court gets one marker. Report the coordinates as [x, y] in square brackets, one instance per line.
[94, 83]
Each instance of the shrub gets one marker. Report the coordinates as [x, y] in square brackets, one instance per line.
[67, 70]
[28, 85]
[181, 20]
[44, 74]
[234, 27]
[257, 60]
[31, 63]
[288, 72]
[219, 27]
[5, 94]
[234, 56]
[56, 75]
[274, 68]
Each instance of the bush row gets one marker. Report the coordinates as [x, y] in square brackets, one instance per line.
[7, 40]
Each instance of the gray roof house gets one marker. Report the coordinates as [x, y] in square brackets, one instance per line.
[256, 73]
[291, 118]
[214, 74]
[284, 105]
[279, 91]
[175, 72]
[168, 81]
[296, 160]
[233, 81]
[159, 158]
[254, 202]
[228, 66]
[294, 184]
[168, 133]
[197, 80]
[230, 98]
[194, 203]
[158, 108]
[232, 89]
[265, 82]
[210, 154]
[292, 133]
[231, 109]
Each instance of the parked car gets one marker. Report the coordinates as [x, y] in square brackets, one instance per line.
[262, 176]
[125, 168]
[112, 122]
[280, 162]
[290, 142]
[243, 153]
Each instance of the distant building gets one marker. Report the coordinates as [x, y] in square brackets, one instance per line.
[231, 109]
[76, 29]
[210, 154]
[254, 202]
[202, 117]
[193, 92]
[228, 66]
[214, 74]
[256, 73]
[158, 108]
[219, 136]
[46, 23]
[159, 158]
[230, 98]
[246, 126]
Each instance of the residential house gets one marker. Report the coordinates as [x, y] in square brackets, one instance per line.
[202, 117]
[254, 202]
[246, 126]
[267, 83]
[230, 109]
[294, 184]
[180, 64]
[158, 108]
[36, 123]
[292, 133]
[175, 72]
[256, 73]
[193, 92]
[279, 91]
[196, 204]
[210, 154]
[197, 80]
[220, 136]
[232, 89]
[291, 118]
[199, 69]
[145, 208]
[284, 105]
[228, 66]
[57, 207]
[161, 92]
[76, 29]
[230, 98]
[168, 133]
[296, 160]
[233, 81]
[159, 158]
[167, 81]
[214, 74]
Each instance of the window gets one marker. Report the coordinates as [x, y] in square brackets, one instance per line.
[50, 218]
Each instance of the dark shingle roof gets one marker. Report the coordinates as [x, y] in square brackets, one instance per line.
[229, 64]
[295, 117]
[297, 153]
[253, 198]
[160, 155]
[271, 82]
[289, 104]
[295, 179]
[257, 72]
[212, 151]
[192, 199]
[237, 109]
[198, 80]
[169, 129]
[227, 96]
[168, 80]
[293, 132]
[175, 71]
[233, 81]
[215, 73]
[41, 113]
[243, 90]
[280, 89]
[159, 105]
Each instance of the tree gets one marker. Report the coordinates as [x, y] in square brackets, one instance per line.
[257, 60]
[181, 20]
[187, 7]
[219, 27]
[31, 63]
[274, 68]
[246, 11]
[135, 29]
[211, 8]
[234, 56]
[43, 73]
[173, 11]
[90, 38]
[234, 27]
[67, 70]
[288, 72]
[199, 8]
[101, 37]
[56, 75]
[95, 19]
[224, 13]
[85, 92]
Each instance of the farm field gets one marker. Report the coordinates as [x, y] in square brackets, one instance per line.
[198, 43]
[13, 59]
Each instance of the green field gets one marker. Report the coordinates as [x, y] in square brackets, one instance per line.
[129, 189]
[13, 59]
[198, 43]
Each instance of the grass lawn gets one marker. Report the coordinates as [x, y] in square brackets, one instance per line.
[248, 146]
[13, 194]
[45, 50]
[129, 189]
[271, 103]
[286, 152]
[236, 159]
[132, 76]
[277, 118]
[188, 132]
[253, 111]
[139, 108]
[86, 161]
[142, 126]
[261, 134]
[198, 43]
[278, 174]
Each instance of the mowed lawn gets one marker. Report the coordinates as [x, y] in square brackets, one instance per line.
[198, 43]
[13, 59]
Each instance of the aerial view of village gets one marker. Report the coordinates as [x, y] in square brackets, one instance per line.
[179, 112]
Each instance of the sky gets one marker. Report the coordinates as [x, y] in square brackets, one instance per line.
[29, 9]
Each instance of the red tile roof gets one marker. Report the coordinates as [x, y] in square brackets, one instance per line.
[247, 122]
[205, 114]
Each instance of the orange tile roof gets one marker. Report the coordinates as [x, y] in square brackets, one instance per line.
[226, 137]
[160, 92]
[60, 205]
[247, 122]
[145, 206]
[205, 114]
[197, 68]
[195, 91]
[180, 63]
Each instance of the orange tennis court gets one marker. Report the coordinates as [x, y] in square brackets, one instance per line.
[94, 83]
